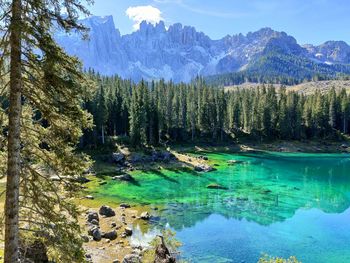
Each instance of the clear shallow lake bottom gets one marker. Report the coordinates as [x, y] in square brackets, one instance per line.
[275, 203]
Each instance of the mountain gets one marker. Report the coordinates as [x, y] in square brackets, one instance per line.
[181, 53]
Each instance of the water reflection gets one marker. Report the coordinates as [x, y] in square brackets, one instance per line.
[282, 204]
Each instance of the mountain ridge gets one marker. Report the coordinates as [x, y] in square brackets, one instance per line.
[180, 53]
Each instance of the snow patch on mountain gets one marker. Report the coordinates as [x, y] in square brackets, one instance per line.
[180, 52]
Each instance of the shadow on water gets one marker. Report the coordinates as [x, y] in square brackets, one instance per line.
[162, 175]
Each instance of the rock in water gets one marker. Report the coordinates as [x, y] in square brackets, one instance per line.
[203, 168]
[216, 186]
[162, 254]
[232, 162]
[123, 177]
[106, 211]
[132, 258]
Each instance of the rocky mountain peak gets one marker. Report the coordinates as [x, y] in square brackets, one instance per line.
[181, 52]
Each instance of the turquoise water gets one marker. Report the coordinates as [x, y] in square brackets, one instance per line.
[279, 204]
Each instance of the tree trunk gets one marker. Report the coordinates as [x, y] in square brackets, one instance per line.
[102, 135]
[14, 143]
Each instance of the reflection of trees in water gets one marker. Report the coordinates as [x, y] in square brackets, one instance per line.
[257, 204]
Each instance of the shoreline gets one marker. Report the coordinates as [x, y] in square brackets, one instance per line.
[186, 156]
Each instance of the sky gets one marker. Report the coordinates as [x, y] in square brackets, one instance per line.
[309, 21]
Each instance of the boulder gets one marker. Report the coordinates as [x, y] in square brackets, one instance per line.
[91, 230]
[118, 157]
[203, 168]
[106, 211]
[128, 231]
[95, 232]
[111, 235]
[145, 216]
[95, 222]
[123, 177]
[92, 216]
[132, 258]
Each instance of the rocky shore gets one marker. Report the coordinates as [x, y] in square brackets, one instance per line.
[107, 233]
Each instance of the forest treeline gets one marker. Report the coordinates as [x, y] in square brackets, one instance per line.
[162, 112]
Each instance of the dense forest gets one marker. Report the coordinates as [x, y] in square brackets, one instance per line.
[163, 112]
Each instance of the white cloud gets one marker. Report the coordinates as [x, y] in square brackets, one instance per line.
[140, 13]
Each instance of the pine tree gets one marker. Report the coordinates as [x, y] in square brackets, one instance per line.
[45, 121]
[101, 113]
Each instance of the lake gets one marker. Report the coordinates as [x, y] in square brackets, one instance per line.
[281, 204]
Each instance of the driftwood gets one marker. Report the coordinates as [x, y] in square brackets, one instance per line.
[162, 253]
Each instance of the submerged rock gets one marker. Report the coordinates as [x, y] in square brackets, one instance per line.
[106, 211]
[216, 186]
[203, 168]
[123, 177]
[242, 198]
[233, 162]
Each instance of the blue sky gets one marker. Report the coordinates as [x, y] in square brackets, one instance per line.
[309, 21]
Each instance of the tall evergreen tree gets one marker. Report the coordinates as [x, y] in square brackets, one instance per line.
[45, 120]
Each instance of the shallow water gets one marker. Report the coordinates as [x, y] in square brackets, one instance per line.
[279, 204]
